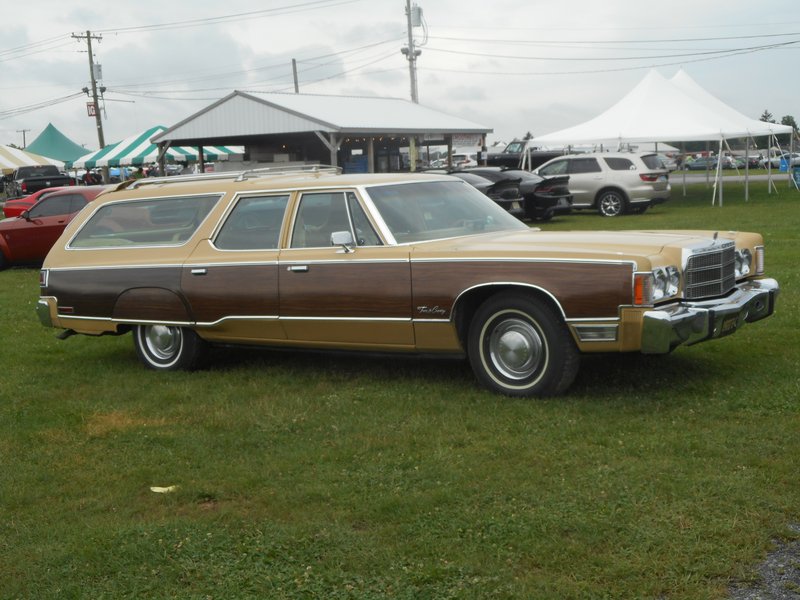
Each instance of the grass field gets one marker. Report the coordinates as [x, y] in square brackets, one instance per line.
[304, 475]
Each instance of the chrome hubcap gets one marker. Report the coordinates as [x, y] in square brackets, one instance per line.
[515, 348]
[611, 205]
[162, 341]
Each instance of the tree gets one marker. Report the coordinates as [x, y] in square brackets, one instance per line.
[766, 116]
[789, 120]
[528, 136]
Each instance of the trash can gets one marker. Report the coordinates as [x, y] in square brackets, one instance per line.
[796, 175]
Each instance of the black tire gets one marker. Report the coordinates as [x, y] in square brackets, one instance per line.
[519, 346]
[3, 261]
[610, 203]
[169, 348]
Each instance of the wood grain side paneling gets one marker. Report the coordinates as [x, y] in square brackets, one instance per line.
[584, 290]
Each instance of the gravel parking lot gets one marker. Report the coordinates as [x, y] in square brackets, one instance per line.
[778, 575]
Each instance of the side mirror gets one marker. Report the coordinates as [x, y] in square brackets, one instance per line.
[343, 239]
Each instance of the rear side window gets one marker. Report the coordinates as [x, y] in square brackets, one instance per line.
[584, 165]
[254, 224]
[652, 161]
[151, 222]
[620, 164]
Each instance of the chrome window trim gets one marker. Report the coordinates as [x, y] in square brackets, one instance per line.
[68, 246]
[237, 197]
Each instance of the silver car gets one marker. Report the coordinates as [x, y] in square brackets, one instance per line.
[612, 182]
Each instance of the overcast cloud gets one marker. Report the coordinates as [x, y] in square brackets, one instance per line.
[512, 66]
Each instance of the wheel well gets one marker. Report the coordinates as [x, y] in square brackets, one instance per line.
[469, 302]
[611, 188]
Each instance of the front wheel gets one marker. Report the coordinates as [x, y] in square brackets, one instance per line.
[168, 348]
[610, 203]
[519, 346]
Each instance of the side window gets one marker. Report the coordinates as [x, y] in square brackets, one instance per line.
[620, 164]
[365, 234]
[253, 224]
[558, 167]
[149, 222]
[50, 207]
[77, 202]
[584, 165]
[318, 216]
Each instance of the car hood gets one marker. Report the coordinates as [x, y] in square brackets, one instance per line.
[616, 246]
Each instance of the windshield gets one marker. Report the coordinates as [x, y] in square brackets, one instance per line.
[416, 212]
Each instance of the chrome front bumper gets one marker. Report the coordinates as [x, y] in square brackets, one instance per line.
[691, 322]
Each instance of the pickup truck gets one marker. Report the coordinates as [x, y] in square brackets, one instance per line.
[511, 157]
[29, 179]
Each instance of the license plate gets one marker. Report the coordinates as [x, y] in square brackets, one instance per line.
[515, 205]
[729, 325]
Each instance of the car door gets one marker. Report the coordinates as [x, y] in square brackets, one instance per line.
[231, 279]
[35, 234]
[357, 296]
[586, 178]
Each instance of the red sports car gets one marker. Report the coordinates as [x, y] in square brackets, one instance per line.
[27, 239]
[17, 206]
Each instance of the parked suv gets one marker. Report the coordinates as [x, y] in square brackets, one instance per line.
[612, 182]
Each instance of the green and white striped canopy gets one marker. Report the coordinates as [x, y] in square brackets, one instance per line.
[138, 150]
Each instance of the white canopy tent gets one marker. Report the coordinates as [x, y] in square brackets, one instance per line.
[660, 110]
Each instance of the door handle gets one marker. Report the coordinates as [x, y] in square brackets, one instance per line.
[199, 271]
[298, 268]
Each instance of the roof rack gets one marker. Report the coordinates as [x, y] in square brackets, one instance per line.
[234, 175]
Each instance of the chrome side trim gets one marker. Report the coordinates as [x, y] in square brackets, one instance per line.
[505, 283]
[527, 260]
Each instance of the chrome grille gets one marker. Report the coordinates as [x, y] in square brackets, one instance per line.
[710, 272]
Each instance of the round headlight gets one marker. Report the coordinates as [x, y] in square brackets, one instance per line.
[744, 260]
[673, 281]
[661, 284]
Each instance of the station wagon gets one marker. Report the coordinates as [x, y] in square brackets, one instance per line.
[413, 263]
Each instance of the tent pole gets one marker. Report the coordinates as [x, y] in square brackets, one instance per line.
[683, 164]
[747, 169]
[719, 171]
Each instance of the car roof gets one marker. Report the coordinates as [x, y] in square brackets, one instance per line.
[252, 181]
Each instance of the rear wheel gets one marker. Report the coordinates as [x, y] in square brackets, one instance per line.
[3, 261]
[519, 346]
[168, 348]
[610, 203]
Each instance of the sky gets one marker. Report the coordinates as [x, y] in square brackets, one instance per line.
[510, 65]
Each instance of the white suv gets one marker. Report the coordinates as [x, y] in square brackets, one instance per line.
[612, 182]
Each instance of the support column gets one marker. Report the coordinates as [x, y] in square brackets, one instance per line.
[370, 154]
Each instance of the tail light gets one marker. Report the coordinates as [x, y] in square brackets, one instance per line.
[24, 187]
[650, 177]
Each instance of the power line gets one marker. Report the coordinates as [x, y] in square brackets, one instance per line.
[255, 14]
[612, 58]
[21, 110]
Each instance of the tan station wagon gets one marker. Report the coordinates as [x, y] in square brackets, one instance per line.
[408, 263]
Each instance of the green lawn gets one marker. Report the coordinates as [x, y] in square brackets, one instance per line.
[305, 475]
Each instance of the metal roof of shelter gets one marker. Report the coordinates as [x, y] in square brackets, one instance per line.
[245, 115]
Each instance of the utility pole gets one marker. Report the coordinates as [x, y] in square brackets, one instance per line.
[410, 52]
[24, 142]
[413, 17]
[294, 76]
[98, 120]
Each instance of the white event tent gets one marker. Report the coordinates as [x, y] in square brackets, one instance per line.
[662, 110]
